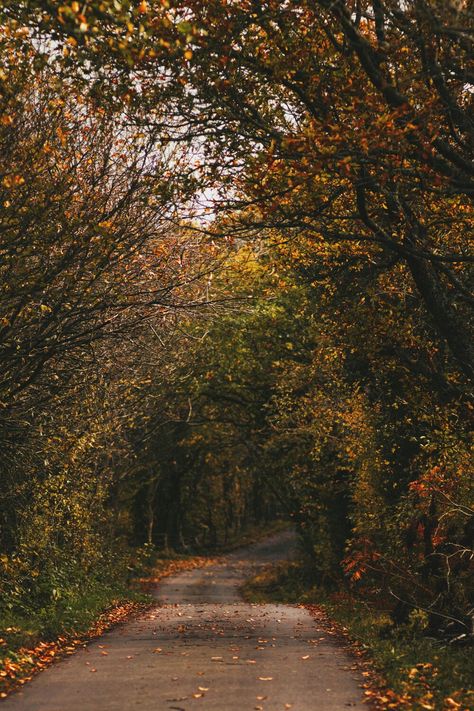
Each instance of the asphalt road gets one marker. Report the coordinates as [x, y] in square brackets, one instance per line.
[203, 649]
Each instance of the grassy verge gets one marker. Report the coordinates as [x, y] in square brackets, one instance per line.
[403, 668]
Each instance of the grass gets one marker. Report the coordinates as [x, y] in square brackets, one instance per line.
[412, 670]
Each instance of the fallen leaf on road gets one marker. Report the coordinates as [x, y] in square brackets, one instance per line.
[306, 656]
[203, 688]
[265, 678]
[44, 653]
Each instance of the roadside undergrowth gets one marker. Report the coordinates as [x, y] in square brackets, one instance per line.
[401, 667]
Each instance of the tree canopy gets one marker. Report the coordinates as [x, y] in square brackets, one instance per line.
[237, 283]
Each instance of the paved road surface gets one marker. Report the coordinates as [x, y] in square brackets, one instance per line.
[203, 649]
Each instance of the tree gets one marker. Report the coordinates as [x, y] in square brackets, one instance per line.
[365, 119]
[95, 269]
[337, 139]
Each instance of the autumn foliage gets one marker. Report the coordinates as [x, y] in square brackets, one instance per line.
[236, 283]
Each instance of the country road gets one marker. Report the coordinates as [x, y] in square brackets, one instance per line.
[202, 648]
